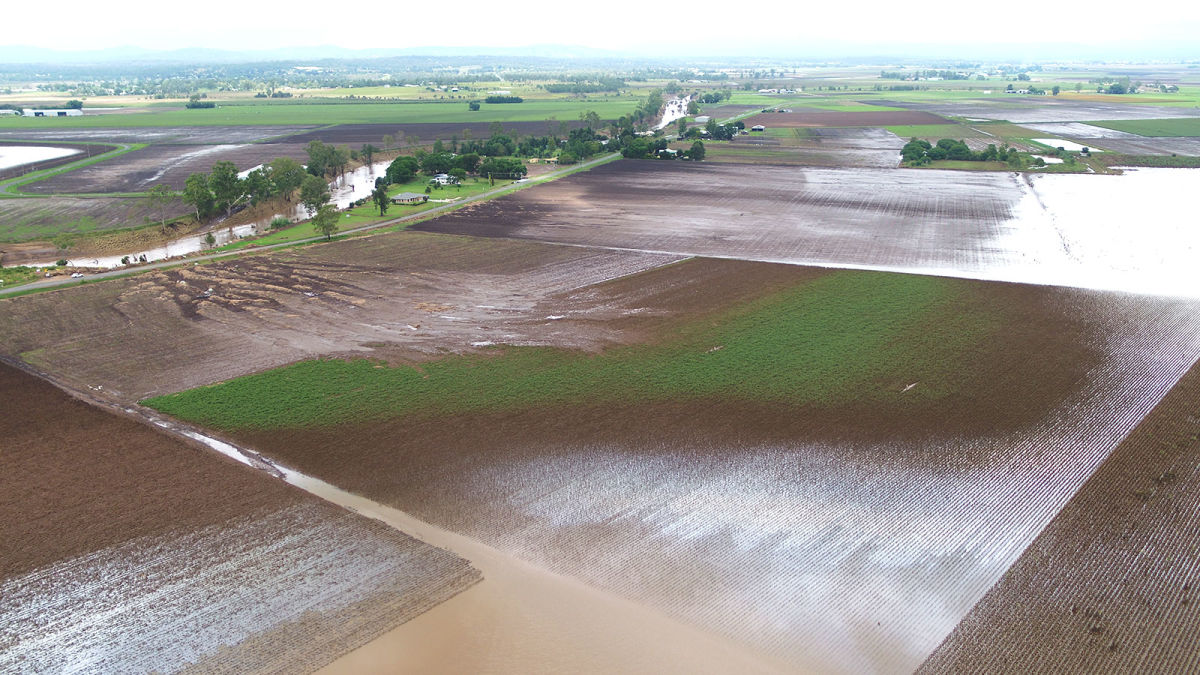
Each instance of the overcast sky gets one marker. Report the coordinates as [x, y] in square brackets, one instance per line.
[697, 27]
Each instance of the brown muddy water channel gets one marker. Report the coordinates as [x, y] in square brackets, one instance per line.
[345, 190]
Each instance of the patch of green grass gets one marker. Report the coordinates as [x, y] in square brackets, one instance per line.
[15, 276]
[845, 337]
[318, 112]
[1186, 126]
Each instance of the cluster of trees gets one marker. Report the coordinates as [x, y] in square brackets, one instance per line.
[194, 101]
[919, 152]
[715, 132]
[222, 190]
[918, 74]
[503, 99]
[405, 168]
[328, 160]
[714, 96]
[601, 84]
[643, 147]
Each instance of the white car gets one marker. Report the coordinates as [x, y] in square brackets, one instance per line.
[77, 275]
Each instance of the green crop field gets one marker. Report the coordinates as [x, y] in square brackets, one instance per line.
[1185, 126]
[835, 340]
[319, 113]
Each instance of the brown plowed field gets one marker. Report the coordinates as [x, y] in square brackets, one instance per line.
[849, 540]
[883, 118]
[140, 170]
[1057, 229]
[124, 549]
[1112, 585]
[400, 295]
[357, 134]
[916, 219]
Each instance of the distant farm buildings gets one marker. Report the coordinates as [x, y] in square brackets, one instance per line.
[410, 198]
[758, 127]
[46, 112]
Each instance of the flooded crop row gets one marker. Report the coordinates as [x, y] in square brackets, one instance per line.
[1112, 232]
[12, 156]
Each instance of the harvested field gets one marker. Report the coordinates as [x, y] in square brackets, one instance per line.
[1111, 584]
[171, 135]
[834, 534]
[1043, 109]
[1051, 229]
[124, 549]
[843, 119]
[832, 147]
[357, 134]
[399, 296]
[140, 170]
[43, 218]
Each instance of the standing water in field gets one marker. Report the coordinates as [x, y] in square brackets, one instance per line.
[345, 190]
[17, 155]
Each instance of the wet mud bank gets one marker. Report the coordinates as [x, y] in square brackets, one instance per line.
[125, 549]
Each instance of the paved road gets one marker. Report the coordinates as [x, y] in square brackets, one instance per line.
[66, 281]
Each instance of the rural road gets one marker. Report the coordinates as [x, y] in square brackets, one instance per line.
[67, 281]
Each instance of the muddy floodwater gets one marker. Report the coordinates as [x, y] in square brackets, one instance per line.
[1112, 232]
[17, 155]
[344, 190]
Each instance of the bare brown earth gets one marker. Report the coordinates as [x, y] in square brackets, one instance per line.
[167, 331]
[142, 169]
[1112, 584]
[881, 118]
[122, 548]
[887, 217]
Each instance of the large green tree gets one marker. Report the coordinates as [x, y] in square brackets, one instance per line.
[287, 174]
[326, 221]
[314, 193]
[161, 196]
[197, 193]
[227, 189]
[380, 196]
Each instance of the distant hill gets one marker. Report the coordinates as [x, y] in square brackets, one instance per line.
[38, 55]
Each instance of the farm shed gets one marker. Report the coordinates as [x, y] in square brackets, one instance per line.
[758, 127]
[410, 198]
[43, 112]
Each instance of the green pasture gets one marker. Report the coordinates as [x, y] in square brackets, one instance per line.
[314, 112]
[845, 338]
[1184, 126]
